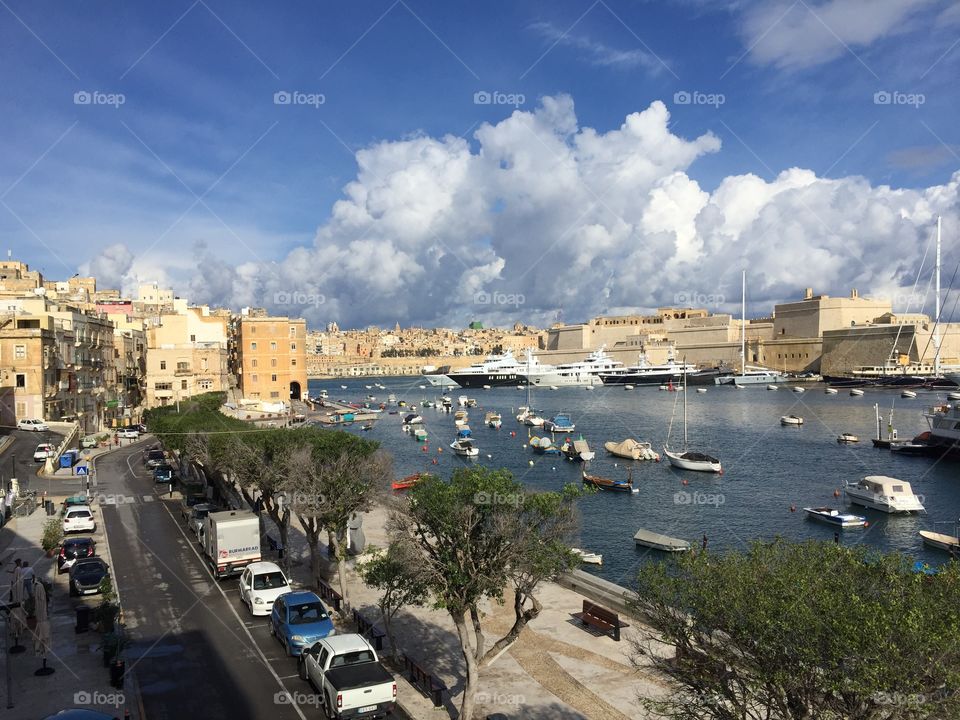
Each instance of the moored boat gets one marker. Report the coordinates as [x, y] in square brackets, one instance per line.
[883, 493]
[632, 450]
[658, 541]
[908, 394]
[605, 483]
[588, 557]
[559, 423]
[834, 517]
[941, 541]
[465, 447]
[493, 419]
[856, 392]
[577, 450]
[847, 438]
[544, 446]
[408, 482]
[791, 420]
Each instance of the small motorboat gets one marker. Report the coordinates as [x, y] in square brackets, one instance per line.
[772, 387]
[609, 484]
[590, 387]
[588, 557]
[471, 402]
[367, 426]
[628, 387]
[462, 400]
[464, 446]
[847, 438]
[577, 450]
[798, 389]
[460, 418]
[486, 387]
[533, 420]
[559, 423]
[791, 420]
[856, 392]
[941, 541]
[830, 391]
[544, 446]
[412, 419]
[701, 390]
[493, 419]
[632, 450]
[408, 482]
[343, 387]
[420, 434]
[908, 394]
[391, 397]
[953, 396]
[830, 516]
[884, 493]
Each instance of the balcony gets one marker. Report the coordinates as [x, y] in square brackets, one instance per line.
[183, 370]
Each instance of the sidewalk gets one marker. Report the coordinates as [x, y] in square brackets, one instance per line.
[556, 669]
[79, 678]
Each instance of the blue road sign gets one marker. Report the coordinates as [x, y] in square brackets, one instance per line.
[83, 470]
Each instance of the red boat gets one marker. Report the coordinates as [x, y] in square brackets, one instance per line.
[408, 482]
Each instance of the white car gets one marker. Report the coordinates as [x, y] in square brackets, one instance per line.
[128, 432]
[79, 518]
[44, 451]
[33, 425]
[260, 584]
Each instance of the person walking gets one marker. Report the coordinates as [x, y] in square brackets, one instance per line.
[16, 575]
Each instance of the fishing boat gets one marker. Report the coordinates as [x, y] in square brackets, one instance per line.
[559, 423]
[657, 541]
[847, 438]
[795, 420]
[632, 450]
[462, 400]
[830, 516]
[687, 460]
[420, 434]
[883, 493]
[464, 445]
[609, 484]
[412, 419]
[577, 450]
[460, 418]
[408, 482]
[585, 556]
[493, 419]
[544, 446]
[941, 541]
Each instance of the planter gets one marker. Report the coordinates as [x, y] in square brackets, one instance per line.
[51, 552]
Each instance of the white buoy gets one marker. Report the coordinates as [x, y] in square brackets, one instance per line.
[530, 463]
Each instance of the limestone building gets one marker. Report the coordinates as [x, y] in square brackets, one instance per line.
[269, 357]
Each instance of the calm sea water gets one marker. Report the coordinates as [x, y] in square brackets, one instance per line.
[767, 468]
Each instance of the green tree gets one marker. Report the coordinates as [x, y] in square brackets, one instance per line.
[397, 573]
[470, 535]
[795, 631]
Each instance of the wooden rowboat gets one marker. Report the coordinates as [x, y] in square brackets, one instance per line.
[408, 482]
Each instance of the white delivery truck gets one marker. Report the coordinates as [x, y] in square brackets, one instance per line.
[230, 540]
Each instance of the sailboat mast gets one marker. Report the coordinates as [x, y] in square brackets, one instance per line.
[936, 323]
[876, 409]
[743, 323]
[684, 404]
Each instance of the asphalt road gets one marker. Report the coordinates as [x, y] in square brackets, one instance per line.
[196, 651]
[17, 459]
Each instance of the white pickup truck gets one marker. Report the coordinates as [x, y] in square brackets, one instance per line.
[346, 672]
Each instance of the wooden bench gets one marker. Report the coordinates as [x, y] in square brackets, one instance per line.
[365, 627]
[325, 591]
[601, 618]
[424, 681]
[275, 545]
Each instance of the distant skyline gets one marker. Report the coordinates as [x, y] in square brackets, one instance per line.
[436, 163]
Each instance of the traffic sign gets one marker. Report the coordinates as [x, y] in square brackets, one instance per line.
[83, 470]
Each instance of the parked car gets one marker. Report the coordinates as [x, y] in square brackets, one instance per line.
[141, 428]
[79, 518]
[165, 473]
[73, 549]
[73, 501]
[154, 458]
[198, 514]
[32, 425]
[44, 451]
[86, 576]
[190, 496]
[298, 620]
[347, 673]
[130, 433]
[89, 441]
[260, 585]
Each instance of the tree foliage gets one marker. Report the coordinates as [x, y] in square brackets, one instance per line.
[795, 631]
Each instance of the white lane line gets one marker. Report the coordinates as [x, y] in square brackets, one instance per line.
[233, 610]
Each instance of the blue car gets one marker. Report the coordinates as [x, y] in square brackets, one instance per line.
[298, 620]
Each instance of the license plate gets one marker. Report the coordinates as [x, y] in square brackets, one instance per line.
[367, 708]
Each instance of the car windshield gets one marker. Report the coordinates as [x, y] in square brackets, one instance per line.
[352, 658]
[89, 571]
[269, 581]
[305, 613]
[155, 455]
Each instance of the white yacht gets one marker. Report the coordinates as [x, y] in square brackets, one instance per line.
[583, 372]
[645, 373]
[754, 375]
[884, 493]
[944, 421]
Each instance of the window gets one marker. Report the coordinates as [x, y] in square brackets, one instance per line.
[293, 362]
[193, 338]
[206, 384]
[273, 378]
[21, 380]
[293, 346]
[273, 362]
[19, 352]
[273, 346]
[183, 384]
[253, 346]
[163, 386]
[253, 378]
[293, 331]
[163, 364]
[274, 394]
[253, 363]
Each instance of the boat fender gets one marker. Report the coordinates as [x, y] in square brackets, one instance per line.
[793, 508]
[435, 461]
[524, 446]
[439, 449]
[720, 473]
[836, 493]
[684, 482]
[530, 463]
[866, 524]
[424, 448]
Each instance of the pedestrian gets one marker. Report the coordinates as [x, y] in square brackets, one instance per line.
[116, 441]
[16, 575]
[26, 577]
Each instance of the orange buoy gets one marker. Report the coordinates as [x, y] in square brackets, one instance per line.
[685, 481]
[866, 524]
[836, 493]
[439, 449]
[793, 508]
[424, 448]
[434, 461]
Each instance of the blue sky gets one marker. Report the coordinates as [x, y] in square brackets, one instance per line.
[183, 168]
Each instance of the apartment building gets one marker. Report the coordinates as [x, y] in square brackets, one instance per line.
[186, 355]
[269, 357]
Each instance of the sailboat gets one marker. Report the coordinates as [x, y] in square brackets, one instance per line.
[749, 374]
[687, 460]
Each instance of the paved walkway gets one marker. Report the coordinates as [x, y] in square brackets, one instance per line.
[556, 669]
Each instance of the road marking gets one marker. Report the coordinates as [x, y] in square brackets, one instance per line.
[148, 498]
[233, 610]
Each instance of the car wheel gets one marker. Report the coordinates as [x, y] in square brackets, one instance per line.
[273, 630]
[302, 669]
[73, 590]
[328, 711]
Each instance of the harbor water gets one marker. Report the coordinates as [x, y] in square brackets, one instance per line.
[770, 472]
